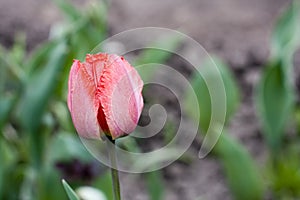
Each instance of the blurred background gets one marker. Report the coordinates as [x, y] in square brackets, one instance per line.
[255, 44]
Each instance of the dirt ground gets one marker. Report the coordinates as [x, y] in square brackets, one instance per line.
[236, 30]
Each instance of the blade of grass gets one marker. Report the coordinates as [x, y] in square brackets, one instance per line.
[70, 192]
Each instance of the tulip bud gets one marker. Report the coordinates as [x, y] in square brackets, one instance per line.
[104, 96]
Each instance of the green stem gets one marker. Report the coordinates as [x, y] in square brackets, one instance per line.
[114, 172]
[116, 183]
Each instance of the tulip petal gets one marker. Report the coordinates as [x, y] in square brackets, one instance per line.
[82, 101]
[120, 96]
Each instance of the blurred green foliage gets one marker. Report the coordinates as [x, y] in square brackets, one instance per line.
[284, 174]
[241, 171]
[276, 103]
[36, 129]
[199, 84]
[275, 92]
[37, 133]
[244, 180]
[275, 100]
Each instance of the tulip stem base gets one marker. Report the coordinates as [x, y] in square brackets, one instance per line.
[114, 172]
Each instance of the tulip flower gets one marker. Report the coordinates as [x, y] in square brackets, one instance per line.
[104, 96]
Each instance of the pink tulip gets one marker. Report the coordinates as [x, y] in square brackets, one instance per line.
[104, 96]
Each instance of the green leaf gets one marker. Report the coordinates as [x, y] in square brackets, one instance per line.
[39, 57]
[11, 65]
[27, 187]
[297, 119]
[40, 88]
[275, 93]
[241, 172]
[68, 9]
[154, 182]
[50, 180]
[286, 34]
[70, 192]
[12, 182]
[200, 88]
[275, 100]
[65, 147]
[8, 157]
[6, 105]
